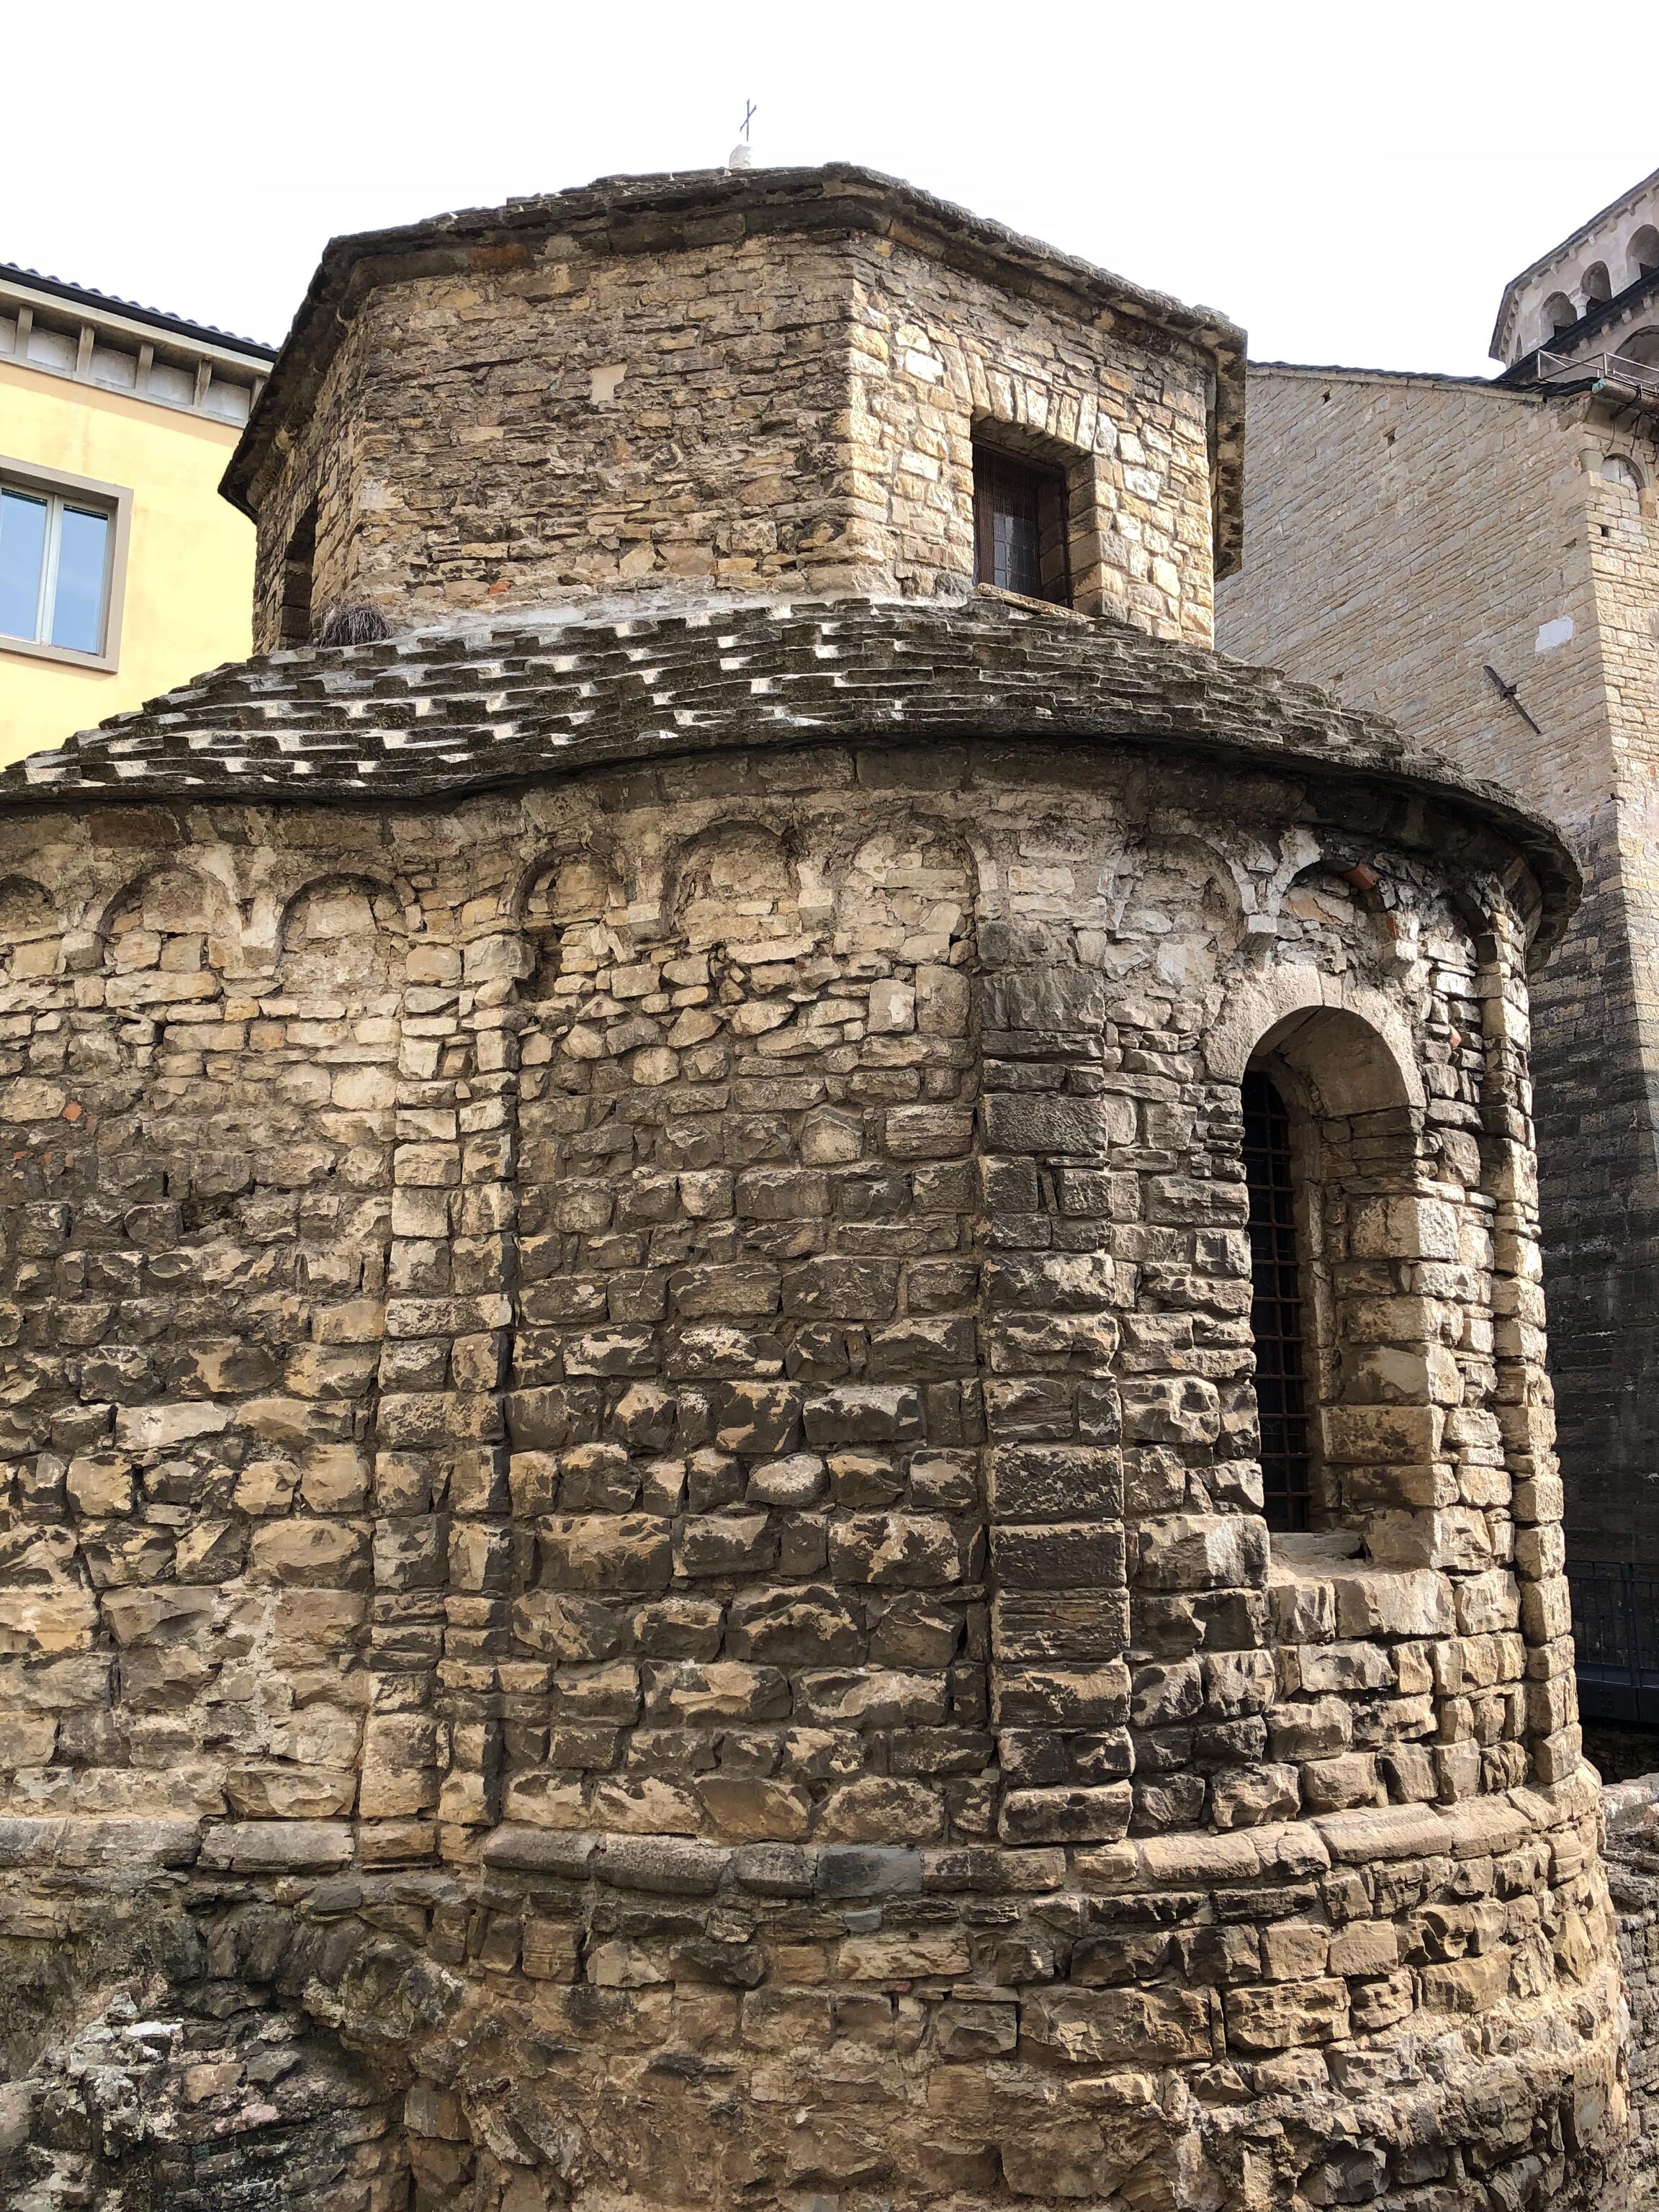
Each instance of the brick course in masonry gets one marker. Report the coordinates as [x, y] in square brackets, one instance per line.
[635, 1568]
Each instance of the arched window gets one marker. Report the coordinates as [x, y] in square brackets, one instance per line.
[1277, 1310]
[1336, 1179]
[1558, 315]
[1643, 347]
[1616, 470]
[1595, 284]
[1644, 252]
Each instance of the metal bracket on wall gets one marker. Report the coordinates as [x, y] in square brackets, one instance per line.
[1509, 691]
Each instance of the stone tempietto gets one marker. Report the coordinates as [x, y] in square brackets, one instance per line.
[776, 1419]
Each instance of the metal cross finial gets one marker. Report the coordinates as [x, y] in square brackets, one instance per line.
[749, 112]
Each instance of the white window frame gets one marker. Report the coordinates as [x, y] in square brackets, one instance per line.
[61, 490]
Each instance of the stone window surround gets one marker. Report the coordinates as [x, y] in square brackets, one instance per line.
[1084, 520]
[1318, 1181]
[118, 500]
[1337, 1048]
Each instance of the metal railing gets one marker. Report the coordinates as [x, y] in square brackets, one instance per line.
[1615, 1628]
[1638, 377]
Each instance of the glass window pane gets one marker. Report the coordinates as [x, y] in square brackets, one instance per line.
[22, 547]
[77, 620]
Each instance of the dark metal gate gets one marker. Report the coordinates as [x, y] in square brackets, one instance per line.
[1615, 1628]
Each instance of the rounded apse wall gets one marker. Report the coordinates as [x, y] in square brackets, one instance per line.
[640, 1425]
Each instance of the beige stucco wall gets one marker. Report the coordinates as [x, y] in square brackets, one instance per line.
[189, 585]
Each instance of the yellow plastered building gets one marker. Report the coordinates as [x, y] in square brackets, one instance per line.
[123, 573]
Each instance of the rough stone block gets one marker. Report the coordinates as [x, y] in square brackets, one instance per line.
[1064, 1555]
[863, 1413]
[1193, 1552]
[1281, 2016]
[1402, 1603]
[1055, 1482]
[907, 1551]
[1062, 1697]
[277, 1847]
[1161, 2027]
[605, 1553]
[1098, 1815]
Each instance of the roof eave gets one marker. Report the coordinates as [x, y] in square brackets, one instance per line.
[108, 303]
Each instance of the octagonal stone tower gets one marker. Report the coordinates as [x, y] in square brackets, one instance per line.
[763, 382]
[774, 1413]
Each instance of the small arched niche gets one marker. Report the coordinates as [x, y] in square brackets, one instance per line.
[30, 939]
[1624, 479]
[1160, 931]
[343, 941]
[175, 922]
[1557, 314]
[565, 912]
[1596, 285]
[736, 891]
[1643, 253]
[1339, 1215]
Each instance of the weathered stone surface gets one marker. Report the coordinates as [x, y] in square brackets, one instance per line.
[633, 1479]
[1509, 474]
[1120, 2027]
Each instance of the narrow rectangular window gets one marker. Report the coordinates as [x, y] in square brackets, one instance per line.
[1019, 527]
[55, 569]
[1276, 1308]
[295, 622]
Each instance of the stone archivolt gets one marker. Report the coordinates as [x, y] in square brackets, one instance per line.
[635, 1567]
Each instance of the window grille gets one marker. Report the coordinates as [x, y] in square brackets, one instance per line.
[1019, 527]
[1615, 1632]
[1276, 1308]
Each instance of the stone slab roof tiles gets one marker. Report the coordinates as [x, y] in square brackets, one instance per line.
[447, 713]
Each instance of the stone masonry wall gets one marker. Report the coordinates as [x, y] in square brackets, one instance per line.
[634, 1525]
[1634, 1883]
[1402, 533]
[764, 413]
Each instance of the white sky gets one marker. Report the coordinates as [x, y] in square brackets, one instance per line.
[1354, 183]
